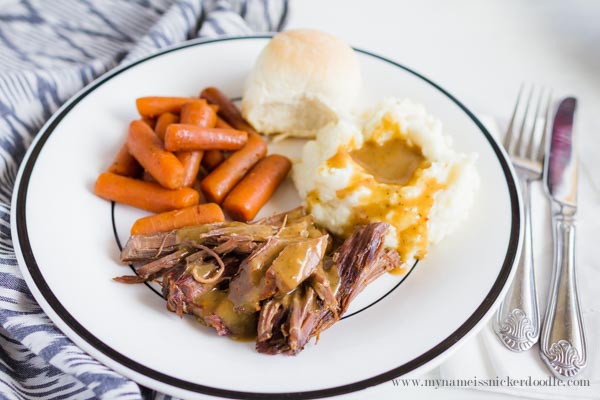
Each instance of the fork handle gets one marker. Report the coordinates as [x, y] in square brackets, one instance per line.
[517, 323]
[562, 345]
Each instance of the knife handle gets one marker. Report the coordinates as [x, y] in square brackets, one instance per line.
[562, 345]
[517, 322]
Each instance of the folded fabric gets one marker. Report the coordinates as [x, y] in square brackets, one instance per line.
[485, 357]
[49, 50]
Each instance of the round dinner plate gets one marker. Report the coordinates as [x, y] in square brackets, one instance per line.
[66, 241]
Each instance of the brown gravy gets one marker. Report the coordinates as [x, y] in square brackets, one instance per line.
[394, 162]
[241, 324]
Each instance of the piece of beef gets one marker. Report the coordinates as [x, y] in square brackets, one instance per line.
[237, 236]
[147, 271]
[217, 322]
[222, 237]
[286, 324]
[278, 219]
[145, 248]
[296, 262]
[180, 289]
[271, 318]
[205, 267]
[212, 234]
[155, 268]
[129, 279]
[207, 301]
[300, 228]
[305, 311]
[235, 244]
[361, 259]
[277, 267]
[249, 286]
[323, 285]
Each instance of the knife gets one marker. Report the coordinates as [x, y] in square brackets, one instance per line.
[562, 343]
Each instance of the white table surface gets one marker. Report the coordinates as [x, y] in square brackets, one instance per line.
[481, 52]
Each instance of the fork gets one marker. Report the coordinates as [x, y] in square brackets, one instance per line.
[517, 323]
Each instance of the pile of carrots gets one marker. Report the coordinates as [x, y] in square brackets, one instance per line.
[182, 140]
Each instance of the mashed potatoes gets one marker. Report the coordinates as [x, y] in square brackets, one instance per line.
[392, 165]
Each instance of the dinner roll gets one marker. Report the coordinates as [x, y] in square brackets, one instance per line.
[302, 80]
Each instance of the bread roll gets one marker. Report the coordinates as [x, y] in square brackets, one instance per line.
[302, 80]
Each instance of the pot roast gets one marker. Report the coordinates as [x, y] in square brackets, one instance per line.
[280, 280]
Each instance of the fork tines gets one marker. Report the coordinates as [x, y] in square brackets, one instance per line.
[528, 124]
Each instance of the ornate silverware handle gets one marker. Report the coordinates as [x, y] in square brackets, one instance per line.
[517, 322]
[563, 346]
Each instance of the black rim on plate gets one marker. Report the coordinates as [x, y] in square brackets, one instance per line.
[99, 345]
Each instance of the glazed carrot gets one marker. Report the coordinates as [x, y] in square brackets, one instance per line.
[251, 194]
[196, 113]
[227, 109]
[214, 107]
[124, 164]
[145, 195]
[191, 165]
[170, 220]
[190, 137]
[212, 159]
[163, 121]
[154, 106]
[148, 150]
[220, 181]
[222, 124]
[150, 121]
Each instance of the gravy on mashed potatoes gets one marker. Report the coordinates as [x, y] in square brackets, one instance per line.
[392, 165]
[394, 161]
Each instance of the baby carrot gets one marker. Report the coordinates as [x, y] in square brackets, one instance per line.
[196, 113]
[199, 113]
[124, 164]
[229, 172]
[212, 159]
[145, 195]
[227, 109]
[222, 179]
[150, 121]
[191, 165]
[170, 220]
[222, 124]
[251, 194]
[148, 150]
[190, 137]
[163, 121]
[153, 106]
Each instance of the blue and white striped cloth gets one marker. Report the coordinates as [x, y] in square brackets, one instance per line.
[49, 49]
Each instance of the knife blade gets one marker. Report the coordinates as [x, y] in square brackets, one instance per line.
[562, 344]
[561, 163]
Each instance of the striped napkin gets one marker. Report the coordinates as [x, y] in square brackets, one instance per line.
[48, 51]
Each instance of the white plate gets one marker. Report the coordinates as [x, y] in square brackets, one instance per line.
[64, 237]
